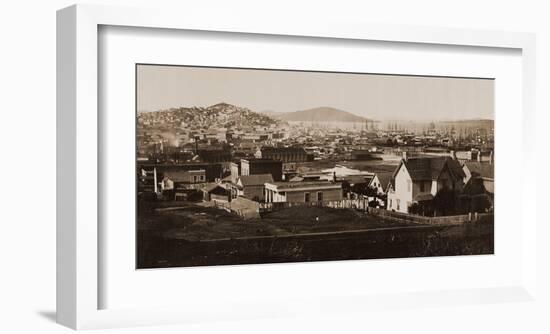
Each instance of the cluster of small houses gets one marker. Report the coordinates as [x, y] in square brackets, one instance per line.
[413, 187]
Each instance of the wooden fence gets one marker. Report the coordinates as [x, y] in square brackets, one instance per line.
[358, 204]
[362, 205]
[440, 220]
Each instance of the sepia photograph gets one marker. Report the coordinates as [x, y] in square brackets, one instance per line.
[250, 166]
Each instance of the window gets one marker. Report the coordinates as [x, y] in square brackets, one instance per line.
[391, 204]
[306, 197]
[319, 196]
[409, 185]
[398, 204]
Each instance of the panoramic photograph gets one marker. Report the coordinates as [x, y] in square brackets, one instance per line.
[250, 166]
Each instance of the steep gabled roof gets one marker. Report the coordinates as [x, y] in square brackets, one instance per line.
[385, 179]
[427, 169]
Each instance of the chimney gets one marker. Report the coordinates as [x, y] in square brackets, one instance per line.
[478, 156]
[453, 154]
[491, 157]
[405, 156]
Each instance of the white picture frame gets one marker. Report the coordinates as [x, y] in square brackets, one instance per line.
[77, 173]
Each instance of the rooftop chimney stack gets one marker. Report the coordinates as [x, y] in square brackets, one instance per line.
[405, 156]
[453, 154]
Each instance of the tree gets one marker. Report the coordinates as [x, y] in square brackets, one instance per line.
[445, 202]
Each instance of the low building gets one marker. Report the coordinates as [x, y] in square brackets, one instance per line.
[293, 192]
[251, 186]
[218, 155]
[284, 154]
[187, 176]
[215, 192]
[212, 170]
[255, 166]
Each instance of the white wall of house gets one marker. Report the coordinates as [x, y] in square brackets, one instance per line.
[403, 192]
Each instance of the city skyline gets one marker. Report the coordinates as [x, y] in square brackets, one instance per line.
[376, 96]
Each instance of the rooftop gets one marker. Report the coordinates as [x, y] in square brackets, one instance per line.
[211, 186]
[385, 179]
[283, 149]
[182, 175]
[258, 160]
[254, 180]
[430, 168]
[481, 169]
[288, 186]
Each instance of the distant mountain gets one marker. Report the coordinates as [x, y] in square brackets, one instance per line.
[325, 114]
[271, 113]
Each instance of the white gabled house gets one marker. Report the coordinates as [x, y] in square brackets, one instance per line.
[418, 180]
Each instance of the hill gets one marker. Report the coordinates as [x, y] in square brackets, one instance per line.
[221, 115]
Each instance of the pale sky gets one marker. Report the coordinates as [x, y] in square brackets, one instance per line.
[380, 97]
